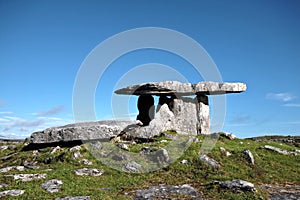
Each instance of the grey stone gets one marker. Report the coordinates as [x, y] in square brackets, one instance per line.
[166, 192]
[77, 155]
[227, 153]
[27, 177]
[84, 131]
[55, 149]
[132, 167]
[250, 156]
[123, 146]
[286, 192]
[162, 156]
[86, 162]
[4, 158]
[120, 157]
[236, 185]
[52, 185]
[3, 185]
[88, 172]
[6, 169]
[76, 148]
[11, 193]
[211, 162]
[74, 198]
[281, 151]
[184, 162]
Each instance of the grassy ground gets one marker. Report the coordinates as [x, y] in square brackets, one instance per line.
[270, 167]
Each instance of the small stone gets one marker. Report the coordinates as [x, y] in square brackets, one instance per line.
[77, 155]
[227, 153]
[12, 193]
[52, 185]
[162, 156]
[147, 150]
[211, 162]
[35, 152]
[120, 157]
[32, 166]
[241, 142]
[74, 198]
[55, 150]
[86, 162]
[3, 185]
[250, 156]
[278, 150]
[184, 162]
[132, 167]
[123, 146]
[3, 147]
[88, 172]
[164, 141]
[76, 148]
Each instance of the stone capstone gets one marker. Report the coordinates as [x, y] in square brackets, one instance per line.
[132, 167]
[182, 89]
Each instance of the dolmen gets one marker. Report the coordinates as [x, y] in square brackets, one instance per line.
[182, 107]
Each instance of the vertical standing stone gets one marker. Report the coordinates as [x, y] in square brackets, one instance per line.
[203, 114]
[185, 113]
[146, 109]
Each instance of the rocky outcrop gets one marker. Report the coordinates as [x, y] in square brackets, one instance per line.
[83, 131]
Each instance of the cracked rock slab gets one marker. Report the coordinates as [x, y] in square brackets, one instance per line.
[74, 198]
[52, 185]
[12, 193]
[27, 177]
[88, 172]
[236, 185]
[165, 192]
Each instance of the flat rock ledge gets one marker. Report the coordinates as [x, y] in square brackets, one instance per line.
[166, 192]
[281, 151]
[211, 162]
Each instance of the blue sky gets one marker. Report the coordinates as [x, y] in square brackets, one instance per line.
[44, 43]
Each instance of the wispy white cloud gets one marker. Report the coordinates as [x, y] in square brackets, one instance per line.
[280, 96]
[3, 120]
[51, 111]
[6, 112]
[292, 105]
[23, 123]
[294, 122]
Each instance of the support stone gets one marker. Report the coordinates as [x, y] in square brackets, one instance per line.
[203, 114]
